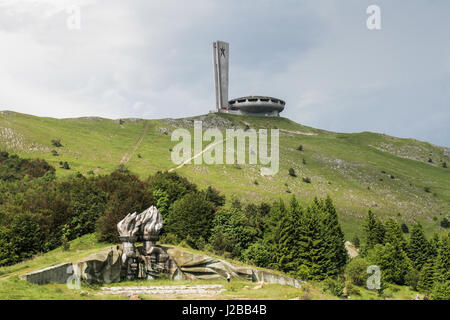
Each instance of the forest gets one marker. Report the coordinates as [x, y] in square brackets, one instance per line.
[39, 212]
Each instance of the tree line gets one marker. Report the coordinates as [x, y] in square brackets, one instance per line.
[39, 213]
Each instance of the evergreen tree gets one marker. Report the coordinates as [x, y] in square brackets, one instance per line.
[419, 248]
[426, 278]
[374, 231]
[275, 223]
[333, 236]
[405, 228]
[442, 265]
[394, 234]
[356, 242]
[289, 256]
[312, 246]
[392, 261]
[191, 216]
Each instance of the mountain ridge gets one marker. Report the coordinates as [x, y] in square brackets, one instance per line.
[360, 171]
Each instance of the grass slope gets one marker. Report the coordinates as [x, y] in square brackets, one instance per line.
[11, 288]
[358, 170]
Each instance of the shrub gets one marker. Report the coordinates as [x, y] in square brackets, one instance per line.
[444, 164]
[335, 287]
[57, 143]
[412, 278]
[356, 241]
[427, 189]
[444, 223]
[292, 172]
[351, 289]
[441, 291]
[55, 153]
[64, 165]
[306, 179]
[258, 254]
[169, 238]
[356, 271]
[405, 228]
[300, 148]
[192, 216]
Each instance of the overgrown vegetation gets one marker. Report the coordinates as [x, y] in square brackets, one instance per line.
[421, 263]
[39, 213]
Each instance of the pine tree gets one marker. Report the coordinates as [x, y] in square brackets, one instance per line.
[426, 278]
[442, 266]
[311, 246]
[419, 248]
[276, 222]
[374, 230]
[290, 227]
[392, 261]
[394, 234]
[334, 237]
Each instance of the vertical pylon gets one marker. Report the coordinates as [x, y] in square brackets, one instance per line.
[221, 60]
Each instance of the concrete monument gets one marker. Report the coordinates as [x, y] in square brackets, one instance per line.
[251, 105]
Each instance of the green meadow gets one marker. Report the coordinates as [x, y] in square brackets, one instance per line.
[400, 178]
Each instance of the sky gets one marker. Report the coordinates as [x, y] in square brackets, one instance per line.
[153, 59]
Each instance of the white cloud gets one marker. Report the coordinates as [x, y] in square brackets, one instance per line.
[152, 59]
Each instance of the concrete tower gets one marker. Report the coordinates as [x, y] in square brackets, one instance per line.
[220, 60]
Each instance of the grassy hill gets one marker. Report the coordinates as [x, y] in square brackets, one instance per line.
[400, 178]
[13, 288]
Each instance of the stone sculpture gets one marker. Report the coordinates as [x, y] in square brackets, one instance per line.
[149, 261]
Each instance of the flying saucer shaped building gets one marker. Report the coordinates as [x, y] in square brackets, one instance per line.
[250, 105]
[258, 105]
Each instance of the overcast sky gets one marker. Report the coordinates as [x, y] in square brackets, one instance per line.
[152, 59]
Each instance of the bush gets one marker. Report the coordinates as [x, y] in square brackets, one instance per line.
[306, 180]
[57, 143]
[444, 223]
[335, 287]
[300, 148]
[351, 289]
[405, 228]
[356, 271]
[356, 242]
[192, 216]
[441, 291]
[412, 278]
[169, 238]
[292, 172]
[258, 254]
[64, 165]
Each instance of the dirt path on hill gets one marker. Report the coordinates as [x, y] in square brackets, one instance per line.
[127, 156]
[199, 154]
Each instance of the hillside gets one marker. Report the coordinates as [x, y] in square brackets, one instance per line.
[13, 288]
[392, 176]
